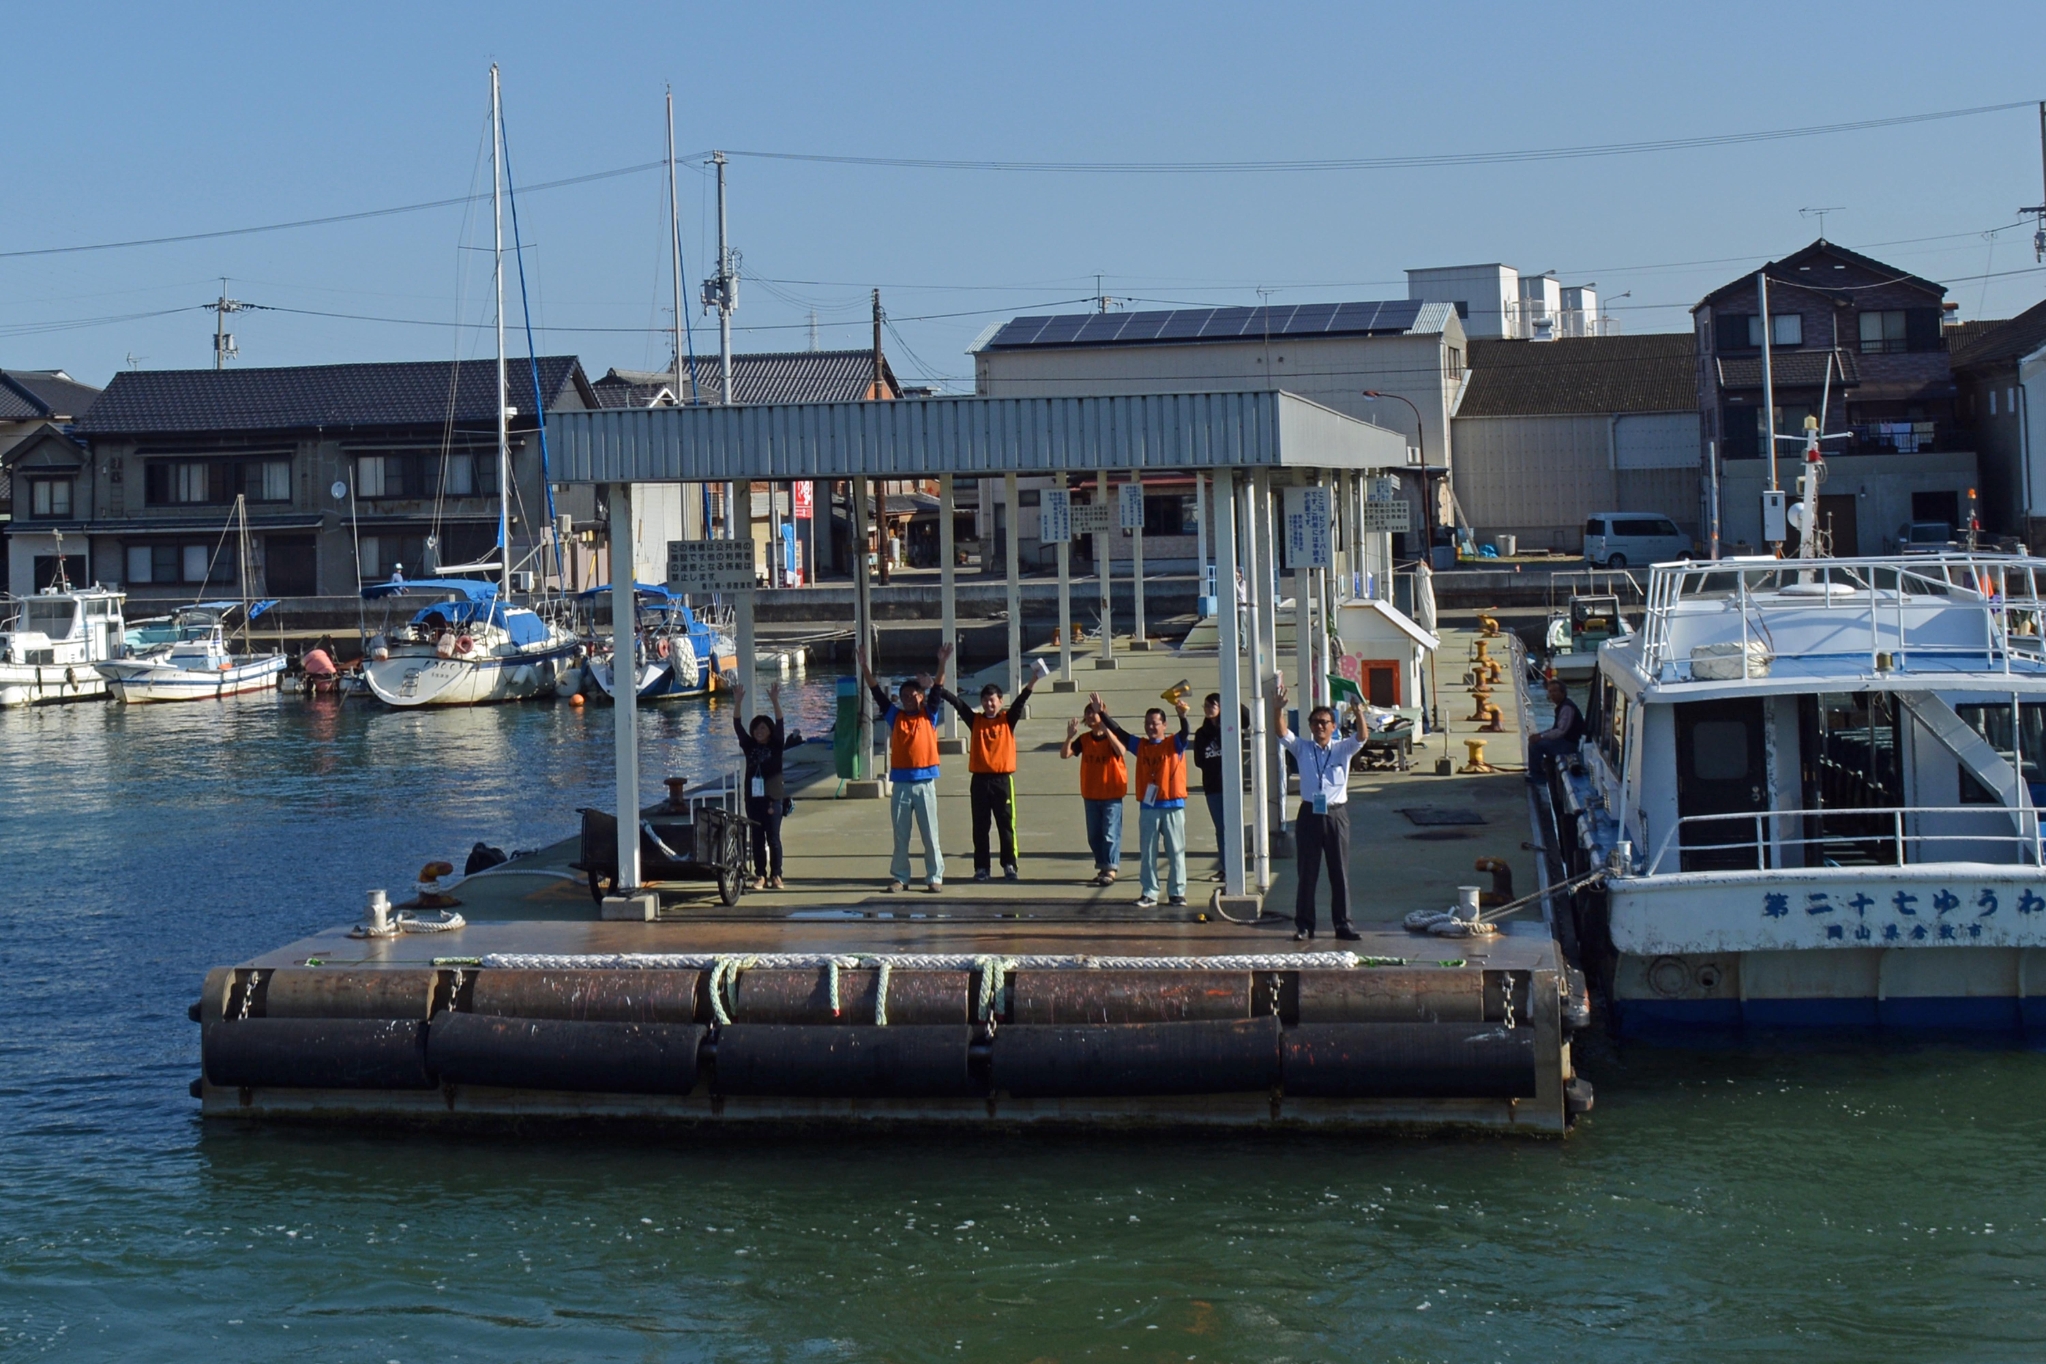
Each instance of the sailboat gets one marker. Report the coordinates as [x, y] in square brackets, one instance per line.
[472, 645]
[196, 662]
[677, 650]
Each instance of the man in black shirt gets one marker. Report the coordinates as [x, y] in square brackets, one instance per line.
[1207, 753]
[1560, 739]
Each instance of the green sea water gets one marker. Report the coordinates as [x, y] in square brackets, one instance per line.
[1816, 1203]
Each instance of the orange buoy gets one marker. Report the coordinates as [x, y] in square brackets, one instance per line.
[575, 698]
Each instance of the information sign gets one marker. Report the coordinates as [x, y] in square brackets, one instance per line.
[1055, 516]
[1129, 506]
[1387, 518]
[805, 500]
[1093, 518]
[710, 566]
[1307, 528]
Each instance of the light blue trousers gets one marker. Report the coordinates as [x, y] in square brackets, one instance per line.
[915, 802]
[1167, 828]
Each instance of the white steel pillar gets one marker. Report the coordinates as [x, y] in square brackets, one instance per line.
[1065, 607]
[1231, 687]
[1013, 557]
[863, 627]
[1260, 770]
[749, 654]
[1138, 639]
[1103, 547]
[948, 603]
[625, 713]
[1200, 537]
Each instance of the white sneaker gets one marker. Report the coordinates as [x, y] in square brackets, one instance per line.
[1147, 902]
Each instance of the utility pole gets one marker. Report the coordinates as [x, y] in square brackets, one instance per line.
[1768, 391]
[2039, 210]
[722, 292]
[224, 348]
[880, 487]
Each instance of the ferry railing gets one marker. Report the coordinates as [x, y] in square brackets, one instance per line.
[2019, 830]
[1884, 591]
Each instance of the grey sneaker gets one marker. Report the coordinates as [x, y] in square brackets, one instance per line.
[1009, 874]
[1147, 902]
[1178, 900]
[982, 875]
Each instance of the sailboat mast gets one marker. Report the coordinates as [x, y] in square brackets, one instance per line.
[503, 428]
[675, 249]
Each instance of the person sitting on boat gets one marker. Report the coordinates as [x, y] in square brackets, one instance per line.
[912, 768]
[763, 743]
[1560, 739]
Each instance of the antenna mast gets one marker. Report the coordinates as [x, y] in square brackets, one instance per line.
[722, 292]
[675, 246]
[224, 348]
[503, 425]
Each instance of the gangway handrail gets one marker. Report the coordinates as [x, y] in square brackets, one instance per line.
[1768, 843]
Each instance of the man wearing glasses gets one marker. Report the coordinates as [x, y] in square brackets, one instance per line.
[1322, 828]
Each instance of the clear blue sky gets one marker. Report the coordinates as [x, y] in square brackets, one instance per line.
[140, 121]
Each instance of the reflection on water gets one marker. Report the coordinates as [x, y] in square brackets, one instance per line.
[1817, 1204]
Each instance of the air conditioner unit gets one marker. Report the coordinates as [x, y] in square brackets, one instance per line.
[522, 580]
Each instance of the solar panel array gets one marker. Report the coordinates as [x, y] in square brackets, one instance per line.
[1209, 324]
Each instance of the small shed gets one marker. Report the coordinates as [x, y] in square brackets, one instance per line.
[1383, 650]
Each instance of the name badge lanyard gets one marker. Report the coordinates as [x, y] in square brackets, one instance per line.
[1321, 762]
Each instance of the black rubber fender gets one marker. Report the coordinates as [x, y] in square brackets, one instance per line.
[1409, 1061]
[317, 1053]
[1232, 1056]
[560, 1054]
[844, 1062]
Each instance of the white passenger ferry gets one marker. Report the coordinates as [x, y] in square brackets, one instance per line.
[1816, 783]
[49, 644]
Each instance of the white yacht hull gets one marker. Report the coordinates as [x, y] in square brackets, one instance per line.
[23, 684]
[408, 680]
[136, 682]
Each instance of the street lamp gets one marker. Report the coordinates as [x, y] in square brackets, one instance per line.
[1422, 436]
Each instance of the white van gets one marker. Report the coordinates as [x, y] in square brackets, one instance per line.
[1623, 539]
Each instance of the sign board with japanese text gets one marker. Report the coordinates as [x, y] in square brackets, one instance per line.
[1055, 516]
[1093, 518]
[1923, 905]
[1307, 528]
[806, 500]
[1386, 518]
[1129, 506]
[710, 565]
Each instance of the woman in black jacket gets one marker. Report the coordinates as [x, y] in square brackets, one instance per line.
[763, 746]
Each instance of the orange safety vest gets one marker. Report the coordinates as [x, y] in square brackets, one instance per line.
[1102, 774]
[912, 743]
[994, 746]
[1161, 764]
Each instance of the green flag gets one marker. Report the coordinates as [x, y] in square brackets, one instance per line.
[1343, 690]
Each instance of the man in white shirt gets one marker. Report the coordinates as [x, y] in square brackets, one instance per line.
[1321, 831]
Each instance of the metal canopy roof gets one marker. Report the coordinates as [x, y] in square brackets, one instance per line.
[921, 438]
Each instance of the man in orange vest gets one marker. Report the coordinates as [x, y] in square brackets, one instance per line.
[912, 769]
[1104, 781]
[1161, 806]
[991, 758]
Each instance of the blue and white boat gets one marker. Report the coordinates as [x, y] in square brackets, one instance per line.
[196, 663]
[466, 647]
[1816, 784]
[677, 653]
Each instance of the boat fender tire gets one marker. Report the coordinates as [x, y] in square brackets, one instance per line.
[553, 1054]
[1111, 1059]
[1577, 1096]
[844, 1062]
[1409, 1061]
[317, 1053]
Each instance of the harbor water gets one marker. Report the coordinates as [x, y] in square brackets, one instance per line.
[1813, 1202]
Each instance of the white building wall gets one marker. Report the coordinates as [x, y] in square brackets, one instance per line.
[1487, 295]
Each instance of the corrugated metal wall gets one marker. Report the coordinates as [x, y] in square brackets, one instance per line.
[1539, 477]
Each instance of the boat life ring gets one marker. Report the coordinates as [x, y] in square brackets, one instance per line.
[661, 649]
[463, 645]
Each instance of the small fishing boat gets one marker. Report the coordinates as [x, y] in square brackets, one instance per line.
[51, 643]
[197, 664]
[468, 648]
[678, 653]
[1591, 614]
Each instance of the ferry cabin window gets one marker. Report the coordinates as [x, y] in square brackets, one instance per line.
[52, 618]
[1613, 735]
[1849, 746]
[1719, 750]
[1993, 722]
[49, 497]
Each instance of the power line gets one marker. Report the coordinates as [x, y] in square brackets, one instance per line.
[1386, 162]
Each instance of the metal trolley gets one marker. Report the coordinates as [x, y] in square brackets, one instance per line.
[688, 839]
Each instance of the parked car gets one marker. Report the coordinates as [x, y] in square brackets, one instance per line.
[1924, 537]
[1618, 539]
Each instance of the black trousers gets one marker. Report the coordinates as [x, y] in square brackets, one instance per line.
[1323, 837]
[765, 813]
[994, 802]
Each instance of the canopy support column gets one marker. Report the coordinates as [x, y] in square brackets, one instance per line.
[1230, 670]
[1012, 563]
[1255, 568]
[749, 654]
[1200, 539]
[948, 600]
[863, 629]
[624, 675]
[1138, 639]
[1065, 678]
[1104, 563]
